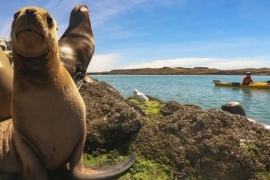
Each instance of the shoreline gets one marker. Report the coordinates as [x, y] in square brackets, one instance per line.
[173, 140]
[184, 71]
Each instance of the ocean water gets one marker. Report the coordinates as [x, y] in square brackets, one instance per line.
[196, 89]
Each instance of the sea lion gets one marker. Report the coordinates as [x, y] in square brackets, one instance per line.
[77, 44]
[234, 108]
[6, 86]
[47, 129]
[237, 108]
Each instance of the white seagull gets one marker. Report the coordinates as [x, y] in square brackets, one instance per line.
[140, 96]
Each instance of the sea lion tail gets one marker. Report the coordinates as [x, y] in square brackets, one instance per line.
[107, 172]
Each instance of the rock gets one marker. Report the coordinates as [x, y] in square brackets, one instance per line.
[192, 143]
[206, 144]
[112, 120]
[195, 143]
[5, 44]
[234, 108]
[170, 108]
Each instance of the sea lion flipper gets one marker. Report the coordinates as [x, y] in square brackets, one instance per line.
[78, 78]
[31, 166]
[6, 86]
[108, 172]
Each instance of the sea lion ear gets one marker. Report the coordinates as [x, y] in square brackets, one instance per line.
[16, 15]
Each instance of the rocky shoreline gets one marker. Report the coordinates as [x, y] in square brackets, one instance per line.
[184, 71]
[172, 141]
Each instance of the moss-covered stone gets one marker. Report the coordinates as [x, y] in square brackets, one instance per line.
[151, 107]
[143, 169]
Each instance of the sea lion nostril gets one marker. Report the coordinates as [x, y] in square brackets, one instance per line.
[30, 11]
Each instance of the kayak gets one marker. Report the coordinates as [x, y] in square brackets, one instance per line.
[256, 85]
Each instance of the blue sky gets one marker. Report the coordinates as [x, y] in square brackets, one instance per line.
[223, 34]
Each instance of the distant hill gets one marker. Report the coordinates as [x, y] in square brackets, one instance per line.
[184, 71]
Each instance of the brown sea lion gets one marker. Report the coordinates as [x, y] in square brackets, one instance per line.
[47, 130]
[237, 108]
[77, 44]
[6, 86]
[234, 108]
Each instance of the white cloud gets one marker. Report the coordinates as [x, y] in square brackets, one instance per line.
[104, 62]
[219, 63]
[107, 62]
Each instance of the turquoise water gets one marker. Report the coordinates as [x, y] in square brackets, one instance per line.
[196, 89]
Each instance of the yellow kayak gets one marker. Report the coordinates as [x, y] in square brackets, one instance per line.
[257, 85]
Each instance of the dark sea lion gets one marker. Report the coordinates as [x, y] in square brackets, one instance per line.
[234, 108]
[48, 128]
[6, 86]
[77, 44]
[237, 108]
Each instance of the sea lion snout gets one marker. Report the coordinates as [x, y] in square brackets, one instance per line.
[84, 8]
[30, 31]
[30, 11]
[81, 8]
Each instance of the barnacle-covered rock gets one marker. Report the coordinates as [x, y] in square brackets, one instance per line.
[112, 120]
[206, 144]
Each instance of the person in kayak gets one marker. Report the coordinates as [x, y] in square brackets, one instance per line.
[247, 79]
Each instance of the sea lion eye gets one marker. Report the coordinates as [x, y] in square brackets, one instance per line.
[50, 21]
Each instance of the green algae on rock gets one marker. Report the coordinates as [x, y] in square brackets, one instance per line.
[143, 169]
[149, 107]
